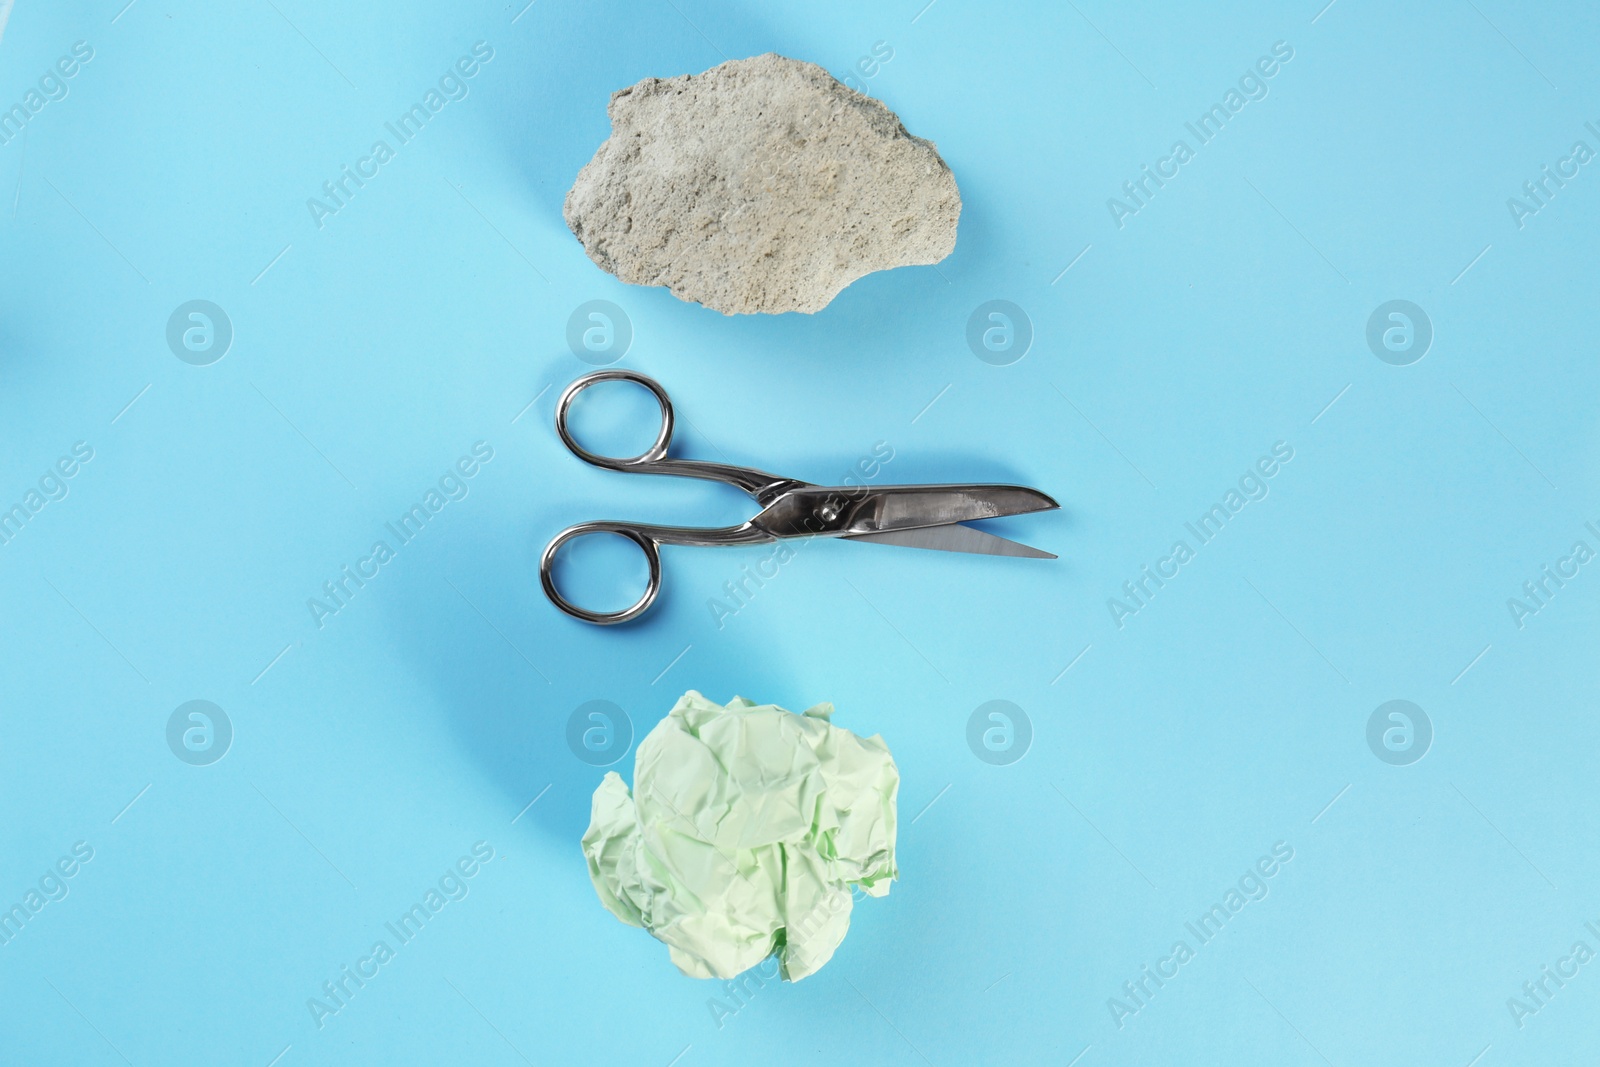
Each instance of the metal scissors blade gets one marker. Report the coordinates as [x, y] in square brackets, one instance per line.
[818, 511]
[955, 538]
[905, 507]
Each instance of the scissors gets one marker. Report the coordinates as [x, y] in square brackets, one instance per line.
[916, 516]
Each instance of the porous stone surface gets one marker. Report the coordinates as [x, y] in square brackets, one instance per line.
[762, 185]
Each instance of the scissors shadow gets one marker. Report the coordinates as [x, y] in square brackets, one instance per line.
[507, 671]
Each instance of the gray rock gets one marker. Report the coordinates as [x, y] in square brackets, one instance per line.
[762, 185]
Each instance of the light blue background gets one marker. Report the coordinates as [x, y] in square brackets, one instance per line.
[369, 754]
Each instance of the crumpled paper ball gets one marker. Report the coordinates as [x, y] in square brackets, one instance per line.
[744, 833]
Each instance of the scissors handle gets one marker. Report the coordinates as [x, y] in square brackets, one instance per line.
[653, 460]
[649, 539]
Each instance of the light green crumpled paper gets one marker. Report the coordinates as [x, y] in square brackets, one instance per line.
[745, 831]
